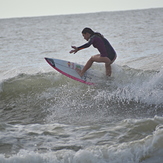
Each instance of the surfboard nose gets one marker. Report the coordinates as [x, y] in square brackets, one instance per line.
[50, 61]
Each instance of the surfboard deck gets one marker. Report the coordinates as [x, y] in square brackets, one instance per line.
[68, 69]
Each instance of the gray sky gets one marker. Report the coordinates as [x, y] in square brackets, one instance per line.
[28, 8]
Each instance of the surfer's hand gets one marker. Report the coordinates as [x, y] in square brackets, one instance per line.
[75, 49]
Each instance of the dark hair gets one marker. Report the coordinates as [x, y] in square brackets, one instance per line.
[91, 32]
[88, 30]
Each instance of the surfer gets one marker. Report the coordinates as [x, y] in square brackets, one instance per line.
[107, 53]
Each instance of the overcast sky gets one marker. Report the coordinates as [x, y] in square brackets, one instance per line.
[28, 8]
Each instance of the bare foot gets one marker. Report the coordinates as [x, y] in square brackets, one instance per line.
[108, 73]
[79, 72]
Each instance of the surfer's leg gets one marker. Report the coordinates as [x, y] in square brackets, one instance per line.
[95, 58]
[108, 69]
[86, 67]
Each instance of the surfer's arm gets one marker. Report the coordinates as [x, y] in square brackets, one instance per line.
[76, 49]
[85, 45]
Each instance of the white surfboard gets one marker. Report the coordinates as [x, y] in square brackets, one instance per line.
[68, 69]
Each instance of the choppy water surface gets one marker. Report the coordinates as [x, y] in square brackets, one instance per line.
[47, 117]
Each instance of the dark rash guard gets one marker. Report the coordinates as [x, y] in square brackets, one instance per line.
[103, 46]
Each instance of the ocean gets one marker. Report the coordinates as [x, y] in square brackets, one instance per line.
[46, 117]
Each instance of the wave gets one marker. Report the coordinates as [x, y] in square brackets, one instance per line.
[126, 84]
[132, 145]
[127, 92]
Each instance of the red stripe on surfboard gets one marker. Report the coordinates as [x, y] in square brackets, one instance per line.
[68, 75]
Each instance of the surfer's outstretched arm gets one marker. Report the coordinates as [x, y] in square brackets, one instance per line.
[75, 49]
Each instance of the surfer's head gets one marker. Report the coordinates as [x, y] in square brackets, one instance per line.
[88, 30]
[87, 33]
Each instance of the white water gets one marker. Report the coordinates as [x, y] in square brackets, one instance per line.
[48, 118]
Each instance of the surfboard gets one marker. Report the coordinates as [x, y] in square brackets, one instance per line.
[68, 69]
